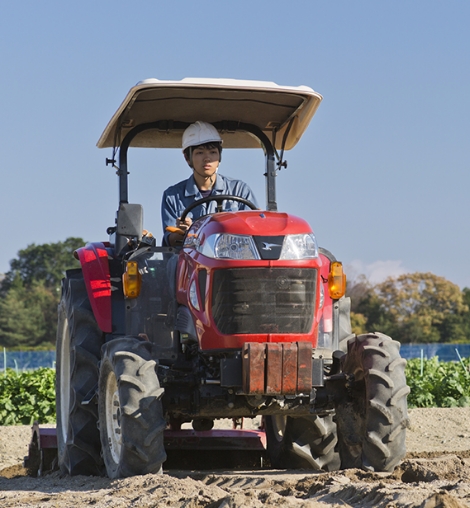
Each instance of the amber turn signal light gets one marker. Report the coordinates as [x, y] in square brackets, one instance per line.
[131, 280]
[336, 281]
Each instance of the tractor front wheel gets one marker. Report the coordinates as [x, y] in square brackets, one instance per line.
[307, 442]
[130, 410]
[372, 417]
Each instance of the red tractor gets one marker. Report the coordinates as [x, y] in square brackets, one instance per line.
[253, 322]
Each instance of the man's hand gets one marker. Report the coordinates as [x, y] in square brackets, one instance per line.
[176, 237]
[184, 225]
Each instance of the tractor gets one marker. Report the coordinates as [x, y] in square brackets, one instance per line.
[246, 318]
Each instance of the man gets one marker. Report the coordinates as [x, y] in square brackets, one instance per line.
[202, 149]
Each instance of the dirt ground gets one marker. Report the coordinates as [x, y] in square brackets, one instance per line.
[434, 474]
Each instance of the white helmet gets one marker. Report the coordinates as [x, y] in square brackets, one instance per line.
[200, 133]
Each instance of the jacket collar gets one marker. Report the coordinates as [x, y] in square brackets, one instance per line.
[191, 189]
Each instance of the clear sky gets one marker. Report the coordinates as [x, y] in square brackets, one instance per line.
[382, 174]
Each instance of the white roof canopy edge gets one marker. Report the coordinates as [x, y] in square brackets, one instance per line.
[273, 108]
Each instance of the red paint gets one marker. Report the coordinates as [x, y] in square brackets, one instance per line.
[240, 223]
[254, 223]
[220, 439]
[95, 267]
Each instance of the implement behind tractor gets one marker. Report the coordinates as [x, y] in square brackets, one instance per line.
[247, 318]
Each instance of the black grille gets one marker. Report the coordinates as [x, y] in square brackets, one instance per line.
[264, 300]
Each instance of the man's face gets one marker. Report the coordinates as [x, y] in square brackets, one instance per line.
[205, 161]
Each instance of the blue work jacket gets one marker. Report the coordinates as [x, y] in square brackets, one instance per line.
[179, 196]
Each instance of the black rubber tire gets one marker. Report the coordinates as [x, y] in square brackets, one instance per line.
[79, 342]
[373, 417]
[343, 343]
[307, 442]
[130, 409]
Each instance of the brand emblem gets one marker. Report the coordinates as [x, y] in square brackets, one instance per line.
[269, 246]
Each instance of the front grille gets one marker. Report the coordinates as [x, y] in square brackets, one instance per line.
[263, 300]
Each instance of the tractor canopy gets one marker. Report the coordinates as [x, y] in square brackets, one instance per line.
[281, 113]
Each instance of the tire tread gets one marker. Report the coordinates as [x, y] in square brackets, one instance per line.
[372, 421]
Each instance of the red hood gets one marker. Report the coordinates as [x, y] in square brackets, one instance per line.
[252, 223]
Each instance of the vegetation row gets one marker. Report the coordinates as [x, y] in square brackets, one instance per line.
[29, 396]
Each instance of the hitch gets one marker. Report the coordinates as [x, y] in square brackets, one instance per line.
[181, 446]
[42, 456]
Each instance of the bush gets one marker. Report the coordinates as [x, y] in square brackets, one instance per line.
[440, 384]
[27, 396]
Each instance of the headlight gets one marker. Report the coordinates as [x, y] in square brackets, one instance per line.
[302, 246]
[227, 246]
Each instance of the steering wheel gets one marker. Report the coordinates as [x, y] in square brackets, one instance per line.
[217, 199]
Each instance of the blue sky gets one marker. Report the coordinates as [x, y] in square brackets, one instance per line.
[382, 174]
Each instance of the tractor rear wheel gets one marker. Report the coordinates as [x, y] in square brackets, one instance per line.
[372, 418]
[307, 442]
[79, 343]
[130, 410]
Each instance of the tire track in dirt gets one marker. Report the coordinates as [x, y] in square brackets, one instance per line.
[443, 481]
[435, 473]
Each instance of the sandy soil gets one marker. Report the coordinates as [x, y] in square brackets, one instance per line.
[435, 474]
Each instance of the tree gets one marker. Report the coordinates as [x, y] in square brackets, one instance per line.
[417, 307]
[30, 293]
[27, 315]
[46, 262]
[358, 289]
[466, 316]
[367, 313]
[422, 293]
[358, 323]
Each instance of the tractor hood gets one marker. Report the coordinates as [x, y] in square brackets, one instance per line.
[248, 223]
[279, 111]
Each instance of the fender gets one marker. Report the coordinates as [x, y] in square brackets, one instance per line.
[95, 267]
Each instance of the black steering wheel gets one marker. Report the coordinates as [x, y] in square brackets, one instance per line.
[217, 199]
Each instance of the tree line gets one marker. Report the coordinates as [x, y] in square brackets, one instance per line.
[416, 307]
[412, 308]
[30, 293]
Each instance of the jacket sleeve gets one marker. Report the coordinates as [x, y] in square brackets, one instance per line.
[251, 197]
[245, 192]
[169, 215]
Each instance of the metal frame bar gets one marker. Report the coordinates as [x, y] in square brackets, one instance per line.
[270, 174]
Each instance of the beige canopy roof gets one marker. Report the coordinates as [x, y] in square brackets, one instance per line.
[264, 104]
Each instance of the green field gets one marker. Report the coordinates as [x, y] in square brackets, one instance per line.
[30, 395]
